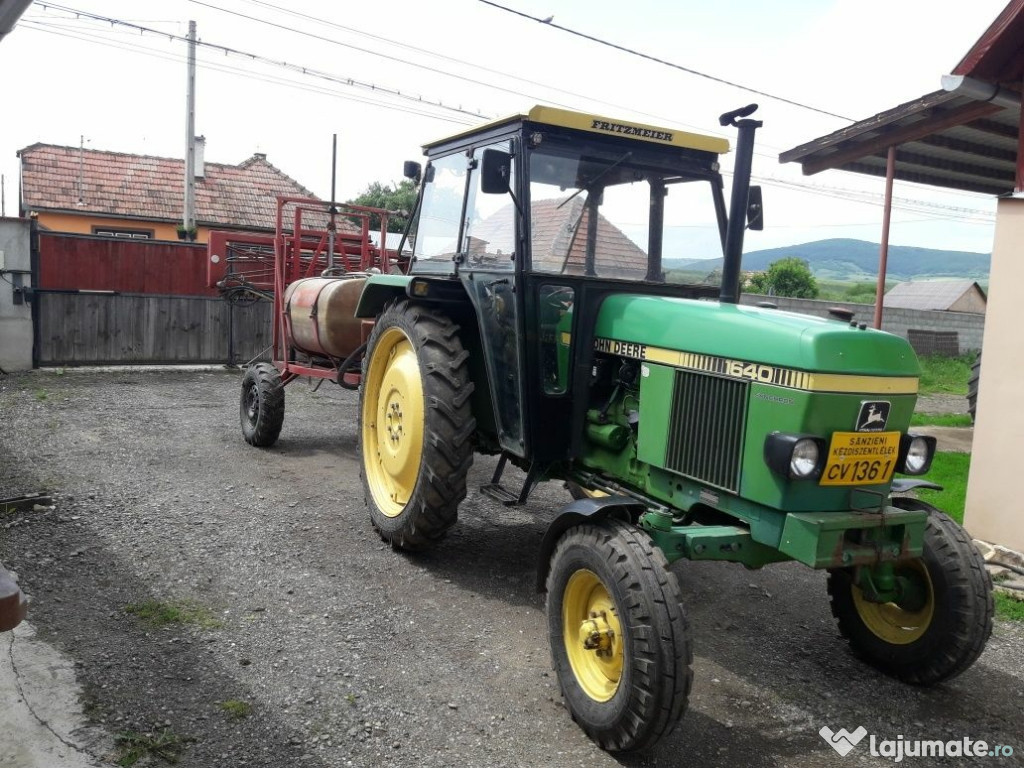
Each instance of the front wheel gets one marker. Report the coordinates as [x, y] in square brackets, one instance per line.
[940, 633]
[619, 639]
[415, 425]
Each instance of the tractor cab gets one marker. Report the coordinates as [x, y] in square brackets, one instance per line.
[538, 218]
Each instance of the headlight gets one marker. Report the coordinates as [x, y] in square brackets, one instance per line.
[804, 461]
[916, 452]
[795, 457]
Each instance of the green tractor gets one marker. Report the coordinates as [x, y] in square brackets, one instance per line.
[536, 323]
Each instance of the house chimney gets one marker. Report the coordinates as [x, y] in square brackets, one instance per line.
[200, 156]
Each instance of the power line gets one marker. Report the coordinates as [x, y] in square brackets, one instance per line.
[633, 52]
[309, 71]
[390, 41]
[249, 74]
[365, 50]
[489, 85]
[493, 86]
[926, 207]
[845, 194]
[863, 197]
[474, 65]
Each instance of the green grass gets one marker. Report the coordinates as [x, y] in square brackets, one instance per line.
[860, 292]
[41, 395]
[945, 375]
[940, 420]
[157, 613]
[236, 709]
[950, 471]
[133, 746]
[1009, 607]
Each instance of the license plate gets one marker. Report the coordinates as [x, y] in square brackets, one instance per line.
[861, 458]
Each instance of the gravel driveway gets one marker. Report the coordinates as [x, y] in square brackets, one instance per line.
[349, 653]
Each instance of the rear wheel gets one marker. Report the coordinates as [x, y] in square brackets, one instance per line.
[261, 409]
[620, 643]
[940, 633]
[972, 387]
[415, 425]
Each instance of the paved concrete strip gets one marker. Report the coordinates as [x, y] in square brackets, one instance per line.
[41, 720]
[953, 439]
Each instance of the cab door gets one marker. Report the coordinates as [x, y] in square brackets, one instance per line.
[487, 266]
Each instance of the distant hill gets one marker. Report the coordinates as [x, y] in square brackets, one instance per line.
[843, 259]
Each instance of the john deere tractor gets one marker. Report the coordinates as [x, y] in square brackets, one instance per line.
[536, 323]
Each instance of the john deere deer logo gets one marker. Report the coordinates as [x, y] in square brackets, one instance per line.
[873, 416]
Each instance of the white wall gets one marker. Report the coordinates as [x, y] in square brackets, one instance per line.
[15, 319]
[993, 510]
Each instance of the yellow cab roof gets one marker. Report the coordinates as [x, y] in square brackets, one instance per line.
[582, 121]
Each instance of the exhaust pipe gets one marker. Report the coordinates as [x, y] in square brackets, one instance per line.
[730, 291]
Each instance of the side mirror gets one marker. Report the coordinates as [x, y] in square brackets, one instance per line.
[412, 170]
[495, 172]
[755, 209]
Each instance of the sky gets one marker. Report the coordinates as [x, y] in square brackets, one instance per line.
[388, 77]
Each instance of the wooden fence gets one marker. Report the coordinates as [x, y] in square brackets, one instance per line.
[128, 328]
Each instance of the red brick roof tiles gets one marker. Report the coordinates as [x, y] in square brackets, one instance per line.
[151, 188]
[559, 238]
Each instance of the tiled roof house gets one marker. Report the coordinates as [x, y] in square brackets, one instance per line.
[559, 233]
[94, 192]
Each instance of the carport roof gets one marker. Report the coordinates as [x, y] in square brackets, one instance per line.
[942, 139]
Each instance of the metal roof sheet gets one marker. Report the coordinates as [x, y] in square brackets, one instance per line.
[941, 139]
[928, 294]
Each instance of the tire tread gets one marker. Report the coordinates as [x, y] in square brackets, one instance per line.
[660, 670]
[448, 424]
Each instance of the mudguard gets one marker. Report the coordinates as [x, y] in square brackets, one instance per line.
[903, 484]
[580, 511]
[379, 290]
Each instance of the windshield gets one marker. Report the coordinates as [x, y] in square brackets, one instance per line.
[592, 213]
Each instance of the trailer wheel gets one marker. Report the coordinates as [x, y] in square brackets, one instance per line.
[619, 639]
[931, 639]
[416, 424]
[262, 405]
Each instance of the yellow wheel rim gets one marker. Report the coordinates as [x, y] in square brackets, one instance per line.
[392, 422]
[890, 622]
[592, 635]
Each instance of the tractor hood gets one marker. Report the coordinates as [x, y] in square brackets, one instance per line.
[754, 334]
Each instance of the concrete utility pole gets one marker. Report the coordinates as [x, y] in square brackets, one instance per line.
[189, 217]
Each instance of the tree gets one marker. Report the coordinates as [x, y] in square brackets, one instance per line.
[786, 277]
[397, 198]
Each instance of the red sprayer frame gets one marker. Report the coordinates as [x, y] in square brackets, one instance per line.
[239, 264]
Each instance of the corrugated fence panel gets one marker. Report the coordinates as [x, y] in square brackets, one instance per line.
[101, 329]
[82, 262]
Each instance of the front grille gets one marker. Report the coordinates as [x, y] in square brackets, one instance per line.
[705, 438]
